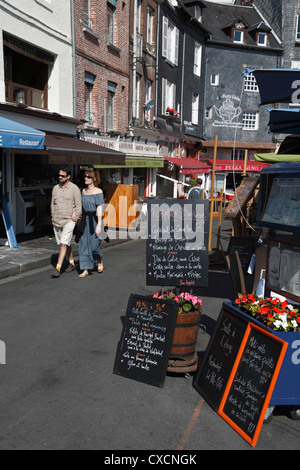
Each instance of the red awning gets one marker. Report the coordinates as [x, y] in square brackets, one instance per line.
[236, 165]
[188, 166]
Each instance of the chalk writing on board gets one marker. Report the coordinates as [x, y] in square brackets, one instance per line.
[147, 334]
[214, 371]
[177, 251]
[252, 381]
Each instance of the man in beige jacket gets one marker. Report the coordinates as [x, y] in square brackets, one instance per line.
[65, 211]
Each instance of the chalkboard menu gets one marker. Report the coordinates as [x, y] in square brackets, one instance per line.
[252, 381]
[242, 195]
[146, 340]
[214, 371]
[177, 244]
[245, 247]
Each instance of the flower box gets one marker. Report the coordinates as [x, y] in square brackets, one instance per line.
[287, 388]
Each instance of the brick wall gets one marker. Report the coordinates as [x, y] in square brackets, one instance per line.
[106, 63]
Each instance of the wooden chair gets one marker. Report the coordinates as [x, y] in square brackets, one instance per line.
[236, 273]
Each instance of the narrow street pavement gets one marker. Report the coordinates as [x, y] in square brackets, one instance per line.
[58, 390]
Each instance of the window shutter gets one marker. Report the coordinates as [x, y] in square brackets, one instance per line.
[176, 46]
[174, 95]
[163, 96]
[165, 37]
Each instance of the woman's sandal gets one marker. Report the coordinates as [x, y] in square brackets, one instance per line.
[100, 267]
[85, 273]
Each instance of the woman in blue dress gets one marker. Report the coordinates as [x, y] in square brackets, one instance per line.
[90, 226]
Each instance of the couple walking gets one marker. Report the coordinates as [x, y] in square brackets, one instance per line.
[67, 206]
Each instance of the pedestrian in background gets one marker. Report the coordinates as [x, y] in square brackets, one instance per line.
[90, 225]
[65, 211]
[196, 191]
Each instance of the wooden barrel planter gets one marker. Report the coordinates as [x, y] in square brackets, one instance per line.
[183, 357]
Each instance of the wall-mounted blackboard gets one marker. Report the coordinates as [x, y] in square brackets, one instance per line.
[214, 370]
[146, 340]
[177, 244]
[242, 195]
[251, 383]
[245, 246]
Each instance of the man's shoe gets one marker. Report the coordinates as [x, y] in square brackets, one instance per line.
[70, 268]
[55, 273]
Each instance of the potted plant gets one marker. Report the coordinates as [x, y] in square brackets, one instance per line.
[183, 357]
[272, 312]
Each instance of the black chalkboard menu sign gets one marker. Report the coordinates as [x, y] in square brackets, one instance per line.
[245, 246]
[214, 371]
[177, 243]
[146, 339]
[252, 381]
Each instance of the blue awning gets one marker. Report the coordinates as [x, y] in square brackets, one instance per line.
[284, 121]
[17, 136]
[277, 85]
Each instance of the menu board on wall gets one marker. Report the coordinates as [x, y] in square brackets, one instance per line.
[144, 348]
[177, 243]
[251, 383]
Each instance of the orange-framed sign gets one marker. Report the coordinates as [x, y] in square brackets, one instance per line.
[251, 382]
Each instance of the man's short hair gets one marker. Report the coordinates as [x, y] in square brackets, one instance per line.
[66, 169]
[199, 181]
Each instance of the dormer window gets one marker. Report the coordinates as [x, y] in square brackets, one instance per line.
[262, 39]
[238, 35]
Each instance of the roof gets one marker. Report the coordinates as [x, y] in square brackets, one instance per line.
[220, 17]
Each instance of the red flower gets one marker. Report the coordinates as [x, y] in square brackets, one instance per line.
[263, 310]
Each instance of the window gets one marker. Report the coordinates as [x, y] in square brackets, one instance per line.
[150, 17]
[170, 41]
[168, 95]
[238, 35]
[295, 64]
[136, 110]
[195, 108]
[197, 59]
[250, 121]
[238, 154]
[149, 101]
[214, 79]
[87, 22]
[138, 16]
[89, 80]
[298, 29]
[208, 112]
[111, 91]
[250, 83]
[26, 76]
[262, 39]
[110, 23]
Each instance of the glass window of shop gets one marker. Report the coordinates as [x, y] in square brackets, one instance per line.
[139, 178]
[34, 170]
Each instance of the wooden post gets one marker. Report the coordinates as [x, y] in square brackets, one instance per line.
[245, 163]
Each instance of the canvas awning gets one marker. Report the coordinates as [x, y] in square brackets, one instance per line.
[275, 157]
[284, 121]
[188, 166]
[17, 136]
[236, 165]
[73, 151]
[289, 151]
[276, 85]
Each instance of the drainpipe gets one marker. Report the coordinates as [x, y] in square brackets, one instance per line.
[73, 58]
